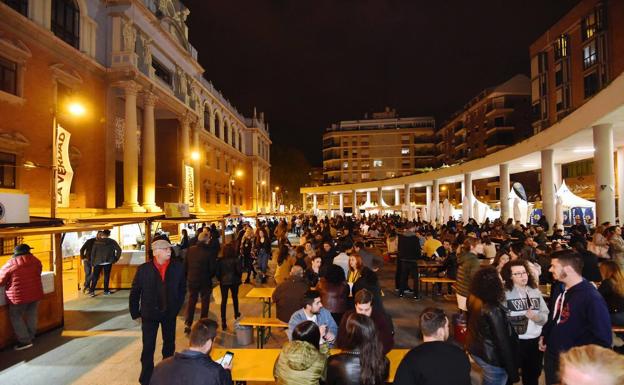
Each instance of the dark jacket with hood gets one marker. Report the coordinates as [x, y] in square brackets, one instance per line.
[105, 250]
[201, 264]
[579, 316]
[151, 298]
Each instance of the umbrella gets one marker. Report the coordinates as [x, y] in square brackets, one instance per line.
[475, 211]
[433, 214]
[446, 210]
[441, 213]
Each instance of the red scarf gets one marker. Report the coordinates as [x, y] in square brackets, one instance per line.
[162, 269]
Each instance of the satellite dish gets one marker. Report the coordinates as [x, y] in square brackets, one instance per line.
[519, 190]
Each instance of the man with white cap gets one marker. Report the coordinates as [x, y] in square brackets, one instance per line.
[157, 294]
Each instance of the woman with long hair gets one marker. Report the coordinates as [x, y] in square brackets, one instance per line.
[262, 249]
[246, 252]
[301, 360]
[612, 289]
[501, 259]
[229, 271]
[527, 313]
[491, 341]
[361, 277]
[362, 361]
[284, 263]
[334, 291]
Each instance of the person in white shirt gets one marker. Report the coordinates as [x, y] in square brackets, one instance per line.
[528, 312]
[342, 260]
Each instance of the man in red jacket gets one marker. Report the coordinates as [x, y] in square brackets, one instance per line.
[21, 276]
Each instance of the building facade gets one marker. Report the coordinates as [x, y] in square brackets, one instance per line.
[154, 130]
[576, 58]
[384, 146]
[496, 118]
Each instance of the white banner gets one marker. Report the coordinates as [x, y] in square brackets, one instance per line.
[189, 185]
[64, 172]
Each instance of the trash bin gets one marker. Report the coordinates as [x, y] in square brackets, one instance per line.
[244, 334]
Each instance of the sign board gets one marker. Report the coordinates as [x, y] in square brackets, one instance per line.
[176, 210]
[14, 208]
[189, 185]
[64, 171]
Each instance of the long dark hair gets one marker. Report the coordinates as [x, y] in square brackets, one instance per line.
[487, 286]
[307, 331]
[283, 254]
[362, 336]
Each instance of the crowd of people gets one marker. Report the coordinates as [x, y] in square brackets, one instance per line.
[527, 302]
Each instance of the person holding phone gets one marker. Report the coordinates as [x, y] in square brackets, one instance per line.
[194, 365]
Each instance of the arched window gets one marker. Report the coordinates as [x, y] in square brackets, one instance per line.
[240, 142]
[20, 6]
[227, 133]
[219, 126]
[207, 118]
[66, 21]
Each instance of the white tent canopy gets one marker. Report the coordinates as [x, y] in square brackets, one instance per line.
[569, 200]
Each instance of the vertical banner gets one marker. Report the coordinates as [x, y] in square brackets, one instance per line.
[189, 185]
[64, 172]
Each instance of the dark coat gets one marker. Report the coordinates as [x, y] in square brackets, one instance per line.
[105, 250]
[368, 280]
[288, 297]
[200, 265]
[190, 368]
[385, 332]
[85, 250]
[409, 247]
[344, 369]
[229, 271]
[491, 337]
[151, 298]
[333, 296]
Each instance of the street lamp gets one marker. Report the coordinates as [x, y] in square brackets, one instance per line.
[195, 156]
[73, 108]
[232, 180]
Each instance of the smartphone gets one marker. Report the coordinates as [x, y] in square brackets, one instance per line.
[227, 359]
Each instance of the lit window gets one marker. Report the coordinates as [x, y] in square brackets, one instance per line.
[365, 175]
[377, 163]
[405, 151]
[561, 47]
[590, 55]
[7, 170]
[345, 165]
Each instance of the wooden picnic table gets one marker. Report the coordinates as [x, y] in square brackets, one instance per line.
[262, 324]
[257, 365]
[266, 295]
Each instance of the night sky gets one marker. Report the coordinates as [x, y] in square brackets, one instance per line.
[307, 64]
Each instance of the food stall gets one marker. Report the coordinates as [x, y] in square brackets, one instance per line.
[46, 240]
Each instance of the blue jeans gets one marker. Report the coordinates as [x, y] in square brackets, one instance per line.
[263, 261]
[492, 375]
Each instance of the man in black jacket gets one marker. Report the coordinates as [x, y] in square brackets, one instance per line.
[194, 365]
[85, 256]
[157, 294]
[408, 255]
[201, 266]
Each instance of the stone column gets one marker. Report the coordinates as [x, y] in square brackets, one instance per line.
[354, 205]
[397, 197]
[303, 202]
[468, 192]
[329, 204]
[368, 196]
[314, 204]
[436, 198]
[341, 204]
[504, 190]
[379, 197]
[428, 196]
[407, 194]
[604, 172]
[558, 175]
[149, 154]
[620, 183]
[131, 149]
[197, 168]
[548, 187]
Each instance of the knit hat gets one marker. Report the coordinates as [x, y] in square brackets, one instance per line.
[21, 249]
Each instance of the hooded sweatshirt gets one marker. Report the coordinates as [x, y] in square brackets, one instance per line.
[300, 363]
[579, 317]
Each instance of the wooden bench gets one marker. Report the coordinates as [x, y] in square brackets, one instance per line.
[617, 329]
[262, 324]
[433, 281]
[265, 294]
[257, 365]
